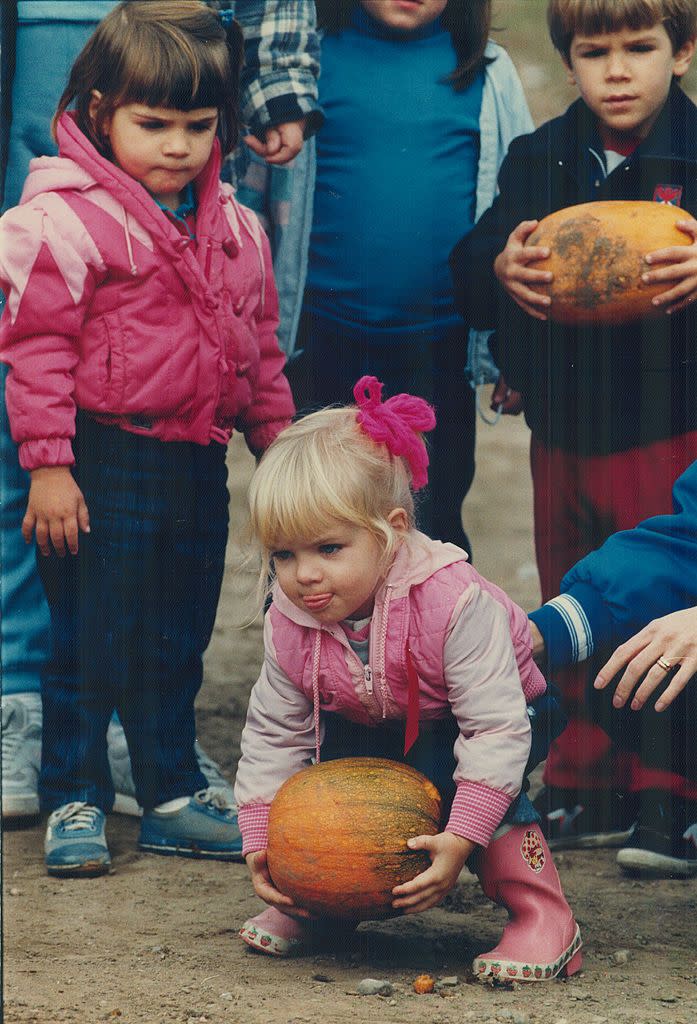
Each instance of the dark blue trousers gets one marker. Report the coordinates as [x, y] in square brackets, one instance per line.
[331, 358]
[131, 615]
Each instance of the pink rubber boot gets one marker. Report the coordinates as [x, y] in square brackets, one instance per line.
[541, 939]
[275, 933]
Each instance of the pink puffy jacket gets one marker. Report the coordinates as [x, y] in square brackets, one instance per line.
[472, 649]
[112, 310]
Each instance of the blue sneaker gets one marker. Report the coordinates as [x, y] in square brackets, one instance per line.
[75, 845]
[206, 828]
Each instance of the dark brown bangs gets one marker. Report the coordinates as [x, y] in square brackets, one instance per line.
[568, 18]
[161, 54]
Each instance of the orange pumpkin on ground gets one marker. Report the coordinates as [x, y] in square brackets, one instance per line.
[597, 258]
[338, 832]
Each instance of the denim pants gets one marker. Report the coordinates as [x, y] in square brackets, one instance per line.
[131, 615]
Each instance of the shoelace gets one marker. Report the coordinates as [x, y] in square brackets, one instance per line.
[75, 816]
[11, 738]
[213, 797]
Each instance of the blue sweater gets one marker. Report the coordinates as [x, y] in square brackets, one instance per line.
[636, 576]
[396, 176]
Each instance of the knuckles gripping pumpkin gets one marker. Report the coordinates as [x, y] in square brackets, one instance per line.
[338, 832]
[597, 255]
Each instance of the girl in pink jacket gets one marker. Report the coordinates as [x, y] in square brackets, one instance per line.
[382, 642]
[139, 331]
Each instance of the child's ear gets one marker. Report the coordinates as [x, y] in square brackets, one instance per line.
[683, 58]
[399, 520]
[95, 102]
[570, 76]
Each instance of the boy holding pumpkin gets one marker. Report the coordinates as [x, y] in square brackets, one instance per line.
[612, 410]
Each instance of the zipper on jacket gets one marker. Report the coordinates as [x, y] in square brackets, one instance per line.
[209, 256]
[368, 676]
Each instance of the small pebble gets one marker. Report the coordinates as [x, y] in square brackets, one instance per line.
[446, 982]
[374, 987]
[321, 977]
[620, 956]
[14, 891]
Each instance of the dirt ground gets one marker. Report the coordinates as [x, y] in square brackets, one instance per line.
[155, 940]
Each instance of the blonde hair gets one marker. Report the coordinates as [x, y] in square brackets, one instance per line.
[324, 468]
[567, 18]
[163, 53]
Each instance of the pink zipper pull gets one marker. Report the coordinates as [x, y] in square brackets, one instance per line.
[368, 676]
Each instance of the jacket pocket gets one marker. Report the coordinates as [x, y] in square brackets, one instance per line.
[104, 356]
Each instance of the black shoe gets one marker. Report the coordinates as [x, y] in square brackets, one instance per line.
[664, 844]
[582, 819]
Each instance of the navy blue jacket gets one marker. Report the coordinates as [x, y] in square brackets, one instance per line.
[591, 390]
[636, 576]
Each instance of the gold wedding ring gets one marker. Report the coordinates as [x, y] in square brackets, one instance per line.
[664, 664]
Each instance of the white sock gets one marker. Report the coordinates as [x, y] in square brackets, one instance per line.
[172, 805]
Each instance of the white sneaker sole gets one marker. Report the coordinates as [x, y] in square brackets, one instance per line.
[127, 805]
[650, 863]
[14, 808]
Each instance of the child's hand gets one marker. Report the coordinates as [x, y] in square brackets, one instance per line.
[504, 398]
[680, 269]
[511, 268]
[448, 854]
[266, 890]
[56, 509]
[281, 143]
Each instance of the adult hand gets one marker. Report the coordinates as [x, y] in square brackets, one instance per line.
[266, 890]
[680, 270]
[56, 510]
[516, 276]
[673, 639]
[281, 143]
[448, 854]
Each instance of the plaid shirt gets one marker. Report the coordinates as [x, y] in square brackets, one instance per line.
[279, 79]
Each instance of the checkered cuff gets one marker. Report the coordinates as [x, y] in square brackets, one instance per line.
[477, 811]
[253, 820]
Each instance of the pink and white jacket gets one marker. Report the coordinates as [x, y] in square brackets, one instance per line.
[111, 309]
[472, 649]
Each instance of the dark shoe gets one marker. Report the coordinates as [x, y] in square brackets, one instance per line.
[664, 844]
[578, 820]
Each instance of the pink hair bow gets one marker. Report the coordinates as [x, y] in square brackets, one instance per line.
[396, 423]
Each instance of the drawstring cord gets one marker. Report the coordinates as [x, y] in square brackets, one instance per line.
[315, 689]
[129, 247]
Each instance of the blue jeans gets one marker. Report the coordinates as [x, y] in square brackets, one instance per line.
[131, 615]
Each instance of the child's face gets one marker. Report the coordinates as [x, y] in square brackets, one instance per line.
[162, 148]
[335, 576]
[625, 76]
[404, 15]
